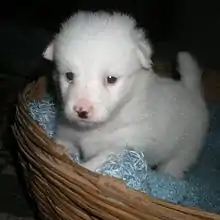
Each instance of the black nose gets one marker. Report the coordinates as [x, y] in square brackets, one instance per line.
[83, 114]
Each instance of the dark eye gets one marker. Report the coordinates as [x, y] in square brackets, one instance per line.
[69, 76]
[111, 79]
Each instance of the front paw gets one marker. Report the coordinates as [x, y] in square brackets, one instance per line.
[97, 162]
[173, 171]
[70, 148]
[91, 165]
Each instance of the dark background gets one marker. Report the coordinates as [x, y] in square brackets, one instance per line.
[154, 15]
[26, 28]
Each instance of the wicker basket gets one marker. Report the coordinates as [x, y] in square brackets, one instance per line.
[64, 190]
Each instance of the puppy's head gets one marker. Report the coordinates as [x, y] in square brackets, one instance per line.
[97, 56]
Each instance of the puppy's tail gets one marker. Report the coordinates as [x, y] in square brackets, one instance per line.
[190, 71]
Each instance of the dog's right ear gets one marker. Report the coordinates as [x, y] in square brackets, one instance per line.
[143, 48]
[49, 51]
[144, 52]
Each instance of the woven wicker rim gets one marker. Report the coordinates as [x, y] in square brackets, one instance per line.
[65, 190]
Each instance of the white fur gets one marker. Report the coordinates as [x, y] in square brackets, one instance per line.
[167, 120]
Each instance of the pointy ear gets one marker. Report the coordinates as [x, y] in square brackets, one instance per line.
[143, 49]
[144, 52]
[48, 52]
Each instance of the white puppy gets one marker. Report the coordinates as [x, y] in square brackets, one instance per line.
[112, 98]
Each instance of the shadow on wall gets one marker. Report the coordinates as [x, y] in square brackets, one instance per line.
[197, 28]
[153, 15]
[27, 27]
[172, 26]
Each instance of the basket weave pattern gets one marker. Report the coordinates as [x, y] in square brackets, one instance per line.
[64, 190]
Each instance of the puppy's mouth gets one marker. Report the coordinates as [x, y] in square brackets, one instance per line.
[85, 124]
[84, 121]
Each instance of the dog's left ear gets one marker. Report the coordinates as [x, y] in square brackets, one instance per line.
[48, 52]
[144, 51]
